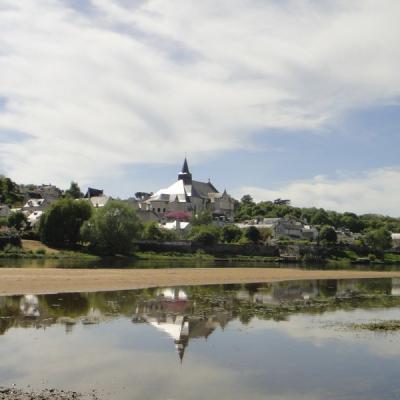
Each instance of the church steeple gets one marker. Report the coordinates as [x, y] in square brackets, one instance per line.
[185, 174]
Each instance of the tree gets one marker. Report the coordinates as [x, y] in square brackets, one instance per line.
[252, 234]
[321, 217]
[266, 234]
[60, 225]
[202, 218]
[231, 233]
[208, 235]
[328, 234]
[379, 239]
[17, 220]
[113, 228]
[151, 231]
[74, 192]
[9, 191]
[247, 199]
[352, 221]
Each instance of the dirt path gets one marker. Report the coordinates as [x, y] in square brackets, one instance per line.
[40, 281]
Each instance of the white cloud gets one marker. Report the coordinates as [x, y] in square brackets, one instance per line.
[376, 191]
[135, 82]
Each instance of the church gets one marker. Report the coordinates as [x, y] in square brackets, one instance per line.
[190, 196]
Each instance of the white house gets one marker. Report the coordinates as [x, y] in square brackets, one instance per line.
[284, 227]
[396, 239]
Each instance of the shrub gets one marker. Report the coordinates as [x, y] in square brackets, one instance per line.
[231, 234]
[208, 235]
[41, 250]
[252, 234]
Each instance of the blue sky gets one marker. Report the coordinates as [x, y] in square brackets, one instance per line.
[296, 99]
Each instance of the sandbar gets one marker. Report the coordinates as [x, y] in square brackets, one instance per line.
[15, 281]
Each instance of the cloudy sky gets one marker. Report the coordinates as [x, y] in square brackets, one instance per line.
[291, 98]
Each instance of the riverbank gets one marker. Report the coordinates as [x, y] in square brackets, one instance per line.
[51, 280]
[45, 394]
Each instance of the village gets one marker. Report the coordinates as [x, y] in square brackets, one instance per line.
[171, 217]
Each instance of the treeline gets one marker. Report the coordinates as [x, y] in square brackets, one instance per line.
[9, 192]
[114, 228]
[247, 209]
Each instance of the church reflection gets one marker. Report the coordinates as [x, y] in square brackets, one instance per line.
[182, 314]
[173, 313]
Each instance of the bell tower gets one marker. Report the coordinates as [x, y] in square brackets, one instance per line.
[185, 174]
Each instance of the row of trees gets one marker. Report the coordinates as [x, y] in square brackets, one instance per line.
[107, 230]
[112, 229]
[248, 209]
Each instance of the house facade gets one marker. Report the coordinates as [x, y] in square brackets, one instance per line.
[282, 227]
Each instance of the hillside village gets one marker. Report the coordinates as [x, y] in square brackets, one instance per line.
[186, 203]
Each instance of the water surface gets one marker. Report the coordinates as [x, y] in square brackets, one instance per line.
[256, 341]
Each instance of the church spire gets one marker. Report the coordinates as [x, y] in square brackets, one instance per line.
[185, 167]
[185, 174]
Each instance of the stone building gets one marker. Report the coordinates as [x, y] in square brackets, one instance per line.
[188, 195]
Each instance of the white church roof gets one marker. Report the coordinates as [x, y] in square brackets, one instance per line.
[171, 327]
[176, 191]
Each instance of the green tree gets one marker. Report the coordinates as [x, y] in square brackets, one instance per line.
[321, 217]
[9, 191]
[113, 229]
[379, 239]
[207, 235]
[74, 191]
[202, 218]
[328, 234]
[231, 233]
[266, 234]
[151, 231]
[17, 220]
[253, 234]
[247, 199]
[351, 221]
[60, 225]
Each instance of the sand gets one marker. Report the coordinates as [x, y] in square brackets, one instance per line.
[50, 280]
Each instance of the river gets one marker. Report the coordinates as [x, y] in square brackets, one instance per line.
[291, 340]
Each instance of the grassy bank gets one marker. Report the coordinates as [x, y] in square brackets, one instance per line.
[336, 259]
[32, 249]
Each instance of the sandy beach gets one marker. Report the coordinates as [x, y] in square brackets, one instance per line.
[41, 281]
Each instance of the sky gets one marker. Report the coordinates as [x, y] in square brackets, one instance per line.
[296, 99]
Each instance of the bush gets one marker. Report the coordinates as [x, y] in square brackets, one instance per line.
[10, 249]
[17, 220]
[207, 235]
[231, 234]
[202, 218]
[41, 250]
[252, 234]
[151, 231]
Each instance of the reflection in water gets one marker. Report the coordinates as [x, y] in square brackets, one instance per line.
[263, 341]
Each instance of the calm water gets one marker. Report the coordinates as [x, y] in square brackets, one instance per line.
[266, 341]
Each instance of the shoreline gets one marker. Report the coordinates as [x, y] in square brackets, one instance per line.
[19, 281]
